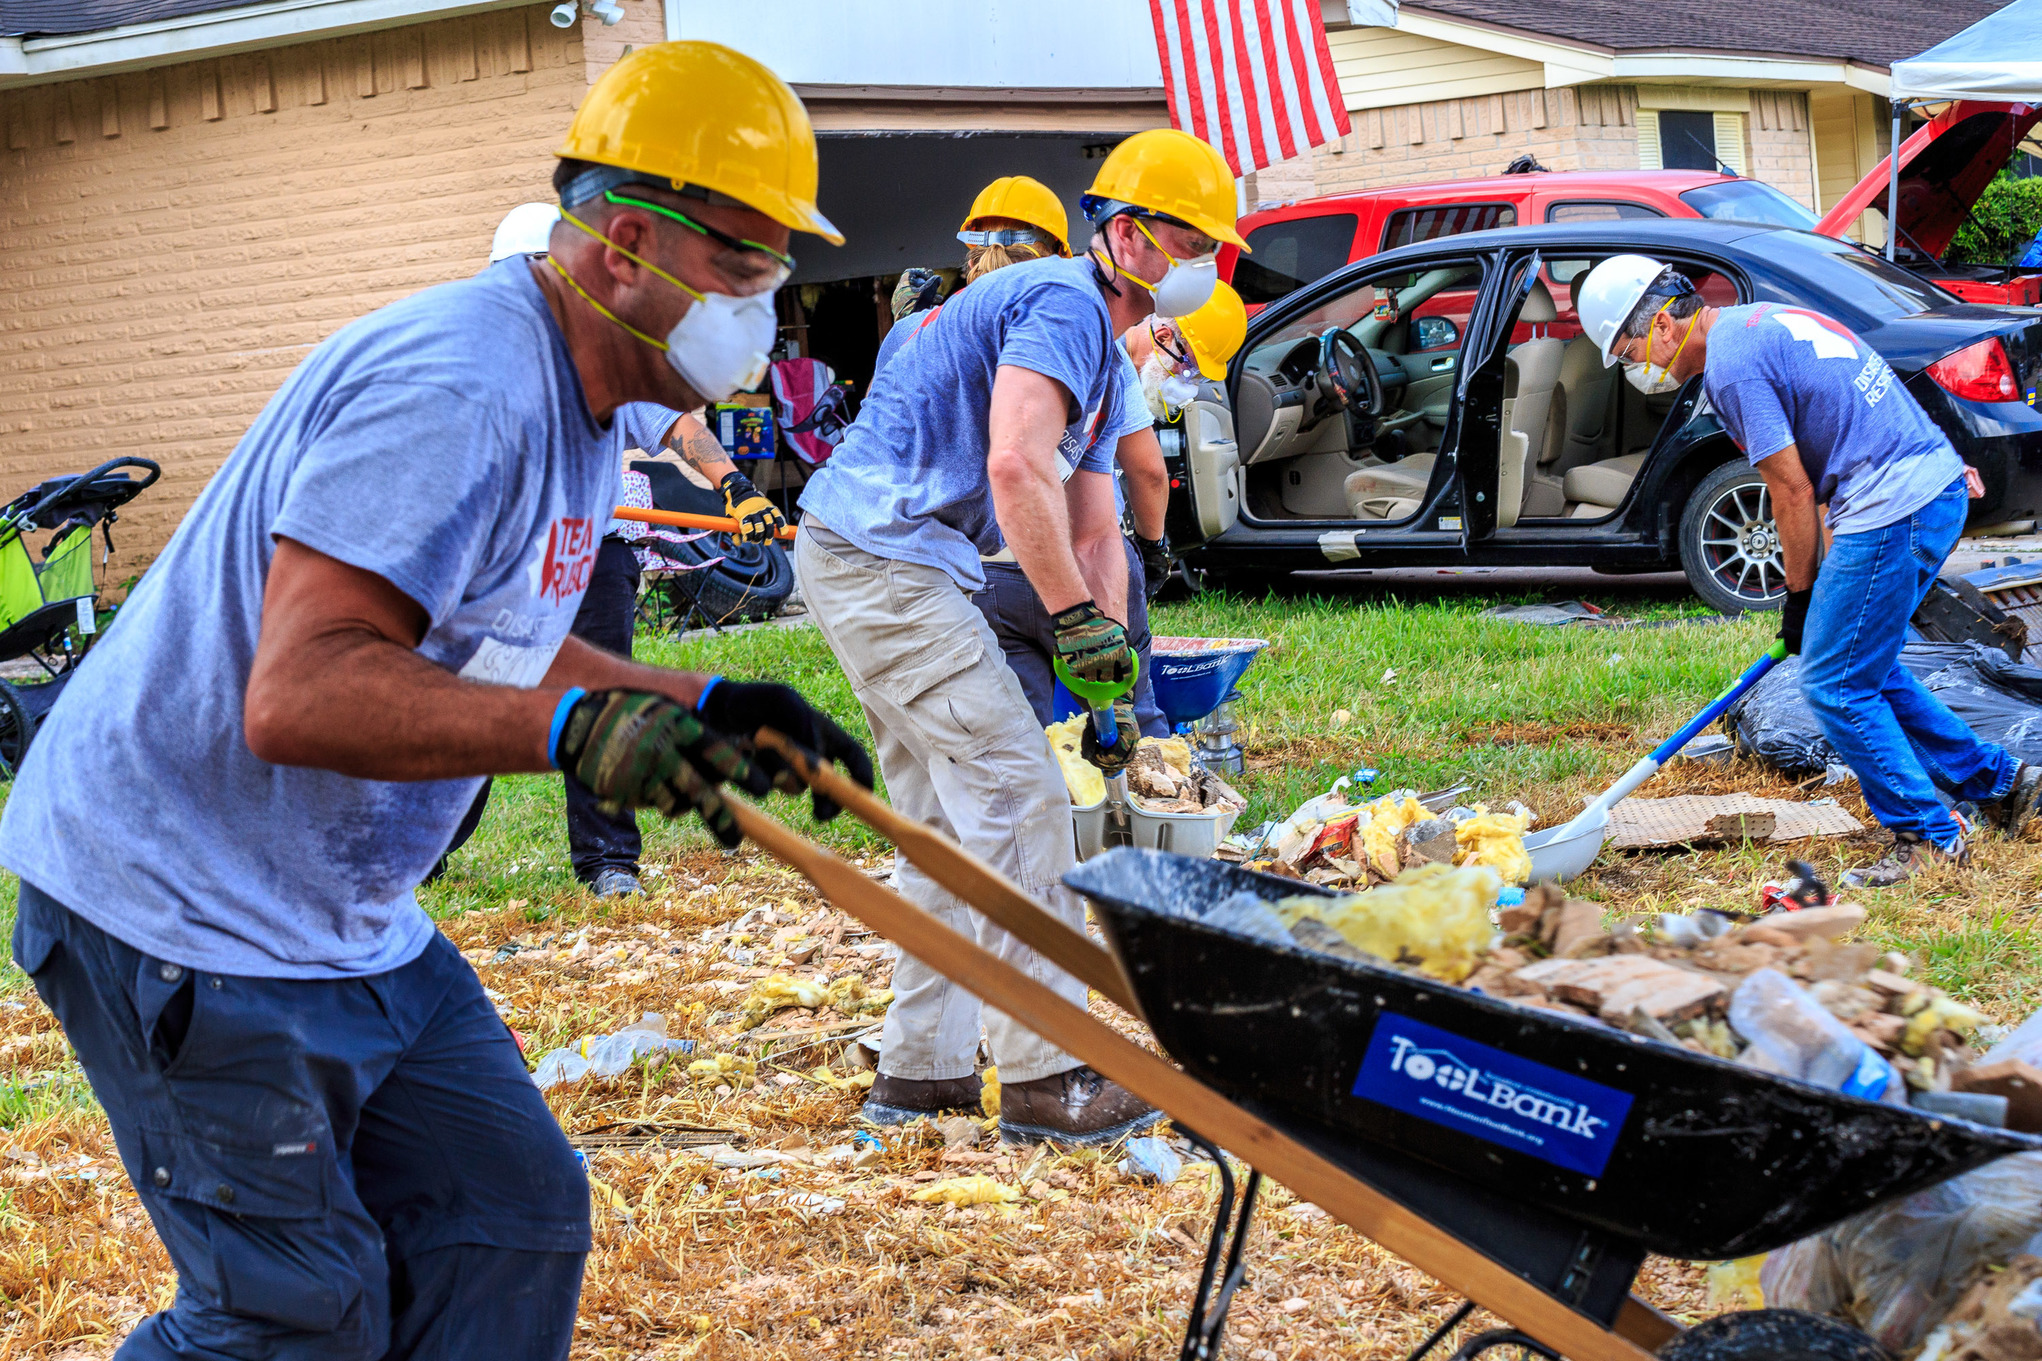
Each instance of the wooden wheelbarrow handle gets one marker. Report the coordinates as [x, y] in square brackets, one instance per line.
[1312, 1177]
[999, 898]
[682, 519]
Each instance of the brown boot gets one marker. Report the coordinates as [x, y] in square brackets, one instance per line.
[1910, 856]
[2012, 812]
[1076, 1107]
[903, 1100]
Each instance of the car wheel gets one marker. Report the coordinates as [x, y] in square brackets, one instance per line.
[1729, 544]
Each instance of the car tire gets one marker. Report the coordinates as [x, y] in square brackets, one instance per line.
[750, 584]
[1729, 544]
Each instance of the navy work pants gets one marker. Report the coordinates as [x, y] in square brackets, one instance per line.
[341, 1169]
[1027, 636]
[598, 841]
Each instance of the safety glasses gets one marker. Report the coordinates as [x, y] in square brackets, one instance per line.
[762, 278]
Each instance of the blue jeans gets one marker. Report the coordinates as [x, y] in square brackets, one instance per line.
[1900, 739]
[341, 1169]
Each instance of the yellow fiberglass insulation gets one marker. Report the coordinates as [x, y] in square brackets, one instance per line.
[1087, 785]
[1082, 778]
[1380, 823]
[1435, 917]
[1497, 841]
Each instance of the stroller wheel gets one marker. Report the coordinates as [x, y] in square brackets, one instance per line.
[17, 726]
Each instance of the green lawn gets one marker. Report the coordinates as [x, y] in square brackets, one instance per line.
[1431, 692]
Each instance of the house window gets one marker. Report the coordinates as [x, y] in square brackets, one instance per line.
[1689, 139]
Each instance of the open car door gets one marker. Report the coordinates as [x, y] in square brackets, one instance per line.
[1204, 467]
[1480, 395]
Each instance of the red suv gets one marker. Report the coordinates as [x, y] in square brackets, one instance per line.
[1944, 167]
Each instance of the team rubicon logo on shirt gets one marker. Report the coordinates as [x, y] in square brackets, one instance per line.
[560, 570]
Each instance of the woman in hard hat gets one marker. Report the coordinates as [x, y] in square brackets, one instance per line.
[365, 613]
[1013, 219]
[996, 424]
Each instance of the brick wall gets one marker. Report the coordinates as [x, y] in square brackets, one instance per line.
[177, 239]
[1590, 128]
[1780, 149]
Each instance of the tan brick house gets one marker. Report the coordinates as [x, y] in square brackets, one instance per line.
[1788, 91]
[193, 200]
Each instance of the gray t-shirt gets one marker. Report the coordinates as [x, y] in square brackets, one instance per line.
[909, 481]
[1785, 375]
[442, 443]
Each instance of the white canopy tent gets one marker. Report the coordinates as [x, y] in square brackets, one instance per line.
[1998, 59]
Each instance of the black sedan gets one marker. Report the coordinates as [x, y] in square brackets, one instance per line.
[1438, 405]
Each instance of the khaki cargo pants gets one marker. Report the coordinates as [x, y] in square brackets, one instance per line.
[961, 752]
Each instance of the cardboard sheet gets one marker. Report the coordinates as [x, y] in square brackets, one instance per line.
[1636, 823]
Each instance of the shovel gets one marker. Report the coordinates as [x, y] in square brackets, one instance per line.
[1098, 697]
[1565, 852]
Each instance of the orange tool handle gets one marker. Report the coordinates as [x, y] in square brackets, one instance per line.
[683, 520]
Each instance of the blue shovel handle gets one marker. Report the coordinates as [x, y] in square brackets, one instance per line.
[1731, 694]
[1108, 730]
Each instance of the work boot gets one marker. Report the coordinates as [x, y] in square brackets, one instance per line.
[1910, 856]
[2013, 812]
[616, 883]
[1076, 1107]
[903, 1100]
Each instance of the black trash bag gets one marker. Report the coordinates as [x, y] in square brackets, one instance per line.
[1999, 699]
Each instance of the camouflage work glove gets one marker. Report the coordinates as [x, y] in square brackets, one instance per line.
[1112, 760]
[758, 519]
[1093, 646]
[639, 750]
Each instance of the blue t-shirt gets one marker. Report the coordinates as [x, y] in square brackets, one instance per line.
[1134, 415]
[1784, 375]
[442, 443]
[909, 481]
[638, 426]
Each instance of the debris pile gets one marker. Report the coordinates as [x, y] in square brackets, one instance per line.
[1161, 779]
[1335, 844]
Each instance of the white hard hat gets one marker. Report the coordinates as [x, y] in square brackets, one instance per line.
[524, 230]
[1605, 300]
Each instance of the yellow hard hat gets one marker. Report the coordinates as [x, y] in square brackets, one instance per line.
[1024, 200]
[1166, 170]
[698, 113]
[1215, 331]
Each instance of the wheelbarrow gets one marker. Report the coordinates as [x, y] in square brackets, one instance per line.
[1525, 1159]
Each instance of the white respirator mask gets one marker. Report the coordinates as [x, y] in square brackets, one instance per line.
[720, 344]
[1186, 285]
[1642, 377]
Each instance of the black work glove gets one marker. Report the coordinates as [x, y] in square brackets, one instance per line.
[758, 519]
[1794, 618]
[634, 749]
[741, 708]
[1155, 564]
[1091, 645]
[1112, 759]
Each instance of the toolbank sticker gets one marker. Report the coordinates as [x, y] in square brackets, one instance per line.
[1427, 1072]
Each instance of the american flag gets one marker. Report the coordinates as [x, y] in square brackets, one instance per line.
[1252, 77]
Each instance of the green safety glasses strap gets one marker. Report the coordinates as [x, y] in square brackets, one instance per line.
[725, 239]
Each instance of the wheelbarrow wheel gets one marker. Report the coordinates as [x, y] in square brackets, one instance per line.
[1773, 1335]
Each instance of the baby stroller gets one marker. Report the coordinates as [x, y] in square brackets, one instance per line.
[49, 608]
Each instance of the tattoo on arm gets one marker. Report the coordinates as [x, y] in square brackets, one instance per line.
[698, 448]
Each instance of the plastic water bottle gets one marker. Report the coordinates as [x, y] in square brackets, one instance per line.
[1794, 1035]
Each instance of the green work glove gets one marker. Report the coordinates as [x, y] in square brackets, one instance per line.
[633, 749]
[758, 519]
[1093, 647]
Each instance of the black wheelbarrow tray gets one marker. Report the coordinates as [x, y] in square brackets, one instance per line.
[1564, 1149]
[1523, 1159]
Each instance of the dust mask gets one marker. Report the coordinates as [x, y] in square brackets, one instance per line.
[718, 346]
[1641, 375]
[1185, 286]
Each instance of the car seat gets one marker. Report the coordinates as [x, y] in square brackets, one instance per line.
[1526, 413]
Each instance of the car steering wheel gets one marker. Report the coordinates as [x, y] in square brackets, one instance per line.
[1347, 383]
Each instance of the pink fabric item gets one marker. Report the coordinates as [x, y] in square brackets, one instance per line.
[797, 385]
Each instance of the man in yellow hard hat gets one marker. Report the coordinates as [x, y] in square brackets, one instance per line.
[992, 426]
[367, 611]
